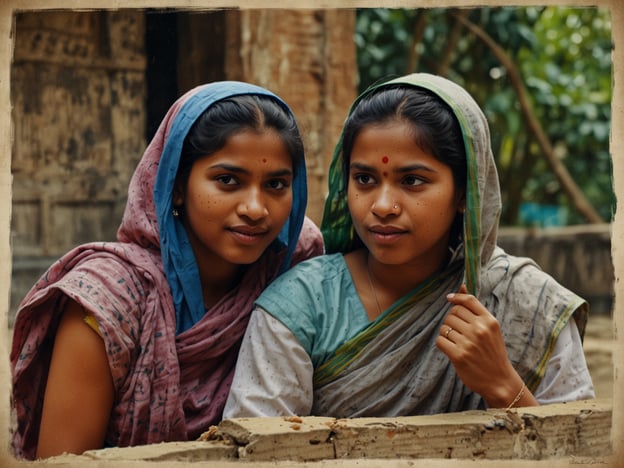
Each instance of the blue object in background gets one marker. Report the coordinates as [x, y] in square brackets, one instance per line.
[535, 214]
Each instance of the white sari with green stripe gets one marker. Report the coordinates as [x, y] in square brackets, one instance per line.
[392, 367]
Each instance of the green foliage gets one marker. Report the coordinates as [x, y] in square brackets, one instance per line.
[564, 58]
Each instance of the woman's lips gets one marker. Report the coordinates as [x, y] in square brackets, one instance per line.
[386, 234]
[248, 235]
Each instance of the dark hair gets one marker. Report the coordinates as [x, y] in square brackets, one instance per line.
[224, 118]
[435, 127]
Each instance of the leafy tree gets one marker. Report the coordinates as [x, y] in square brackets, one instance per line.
[543, 78]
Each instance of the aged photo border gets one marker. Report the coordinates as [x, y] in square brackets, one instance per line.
[8, 8]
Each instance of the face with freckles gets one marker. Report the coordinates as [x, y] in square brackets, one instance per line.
[402, 200]
[237, 200]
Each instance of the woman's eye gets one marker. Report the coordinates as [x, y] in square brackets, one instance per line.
[278, 184]
[412, 180]
[226, 179]
[364, 179]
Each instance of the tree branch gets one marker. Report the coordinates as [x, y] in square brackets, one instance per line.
[417, 35]
[452, 39]
[578, 199]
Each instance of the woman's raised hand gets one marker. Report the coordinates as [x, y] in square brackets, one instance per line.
[471, 337]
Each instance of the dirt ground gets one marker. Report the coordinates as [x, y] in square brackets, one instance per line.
[598, 346]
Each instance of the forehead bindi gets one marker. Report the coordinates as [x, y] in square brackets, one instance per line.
[385, 160]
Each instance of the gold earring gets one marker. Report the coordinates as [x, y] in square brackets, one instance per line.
[175, 213]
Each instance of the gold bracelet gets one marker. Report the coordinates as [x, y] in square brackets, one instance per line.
[518, 396]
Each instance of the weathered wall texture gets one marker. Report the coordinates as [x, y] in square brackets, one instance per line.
[78, 111]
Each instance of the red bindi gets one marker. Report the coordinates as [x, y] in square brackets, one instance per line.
[264, 160]
[385, 160]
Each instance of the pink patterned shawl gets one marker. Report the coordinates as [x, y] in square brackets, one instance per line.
[167, 387]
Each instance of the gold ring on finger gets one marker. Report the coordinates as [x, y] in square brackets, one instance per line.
[446, 335]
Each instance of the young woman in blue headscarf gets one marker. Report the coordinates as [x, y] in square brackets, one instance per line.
[134, 342]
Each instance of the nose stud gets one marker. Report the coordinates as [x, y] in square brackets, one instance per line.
[396, 206]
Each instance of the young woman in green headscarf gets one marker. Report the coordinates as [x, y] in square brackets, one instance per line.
[414, 309]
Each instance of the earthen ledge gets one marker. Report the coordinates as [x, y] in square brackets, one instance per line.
[575, 431]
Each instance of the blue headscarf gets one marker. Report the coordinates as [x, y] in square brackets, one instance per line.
[177, 254]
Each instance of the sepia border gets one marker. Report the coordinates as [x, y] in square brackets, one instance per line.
[9, 7]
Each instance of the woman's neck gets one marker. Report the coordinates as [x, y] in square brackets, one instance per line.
[217, 282]
[381, 285]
